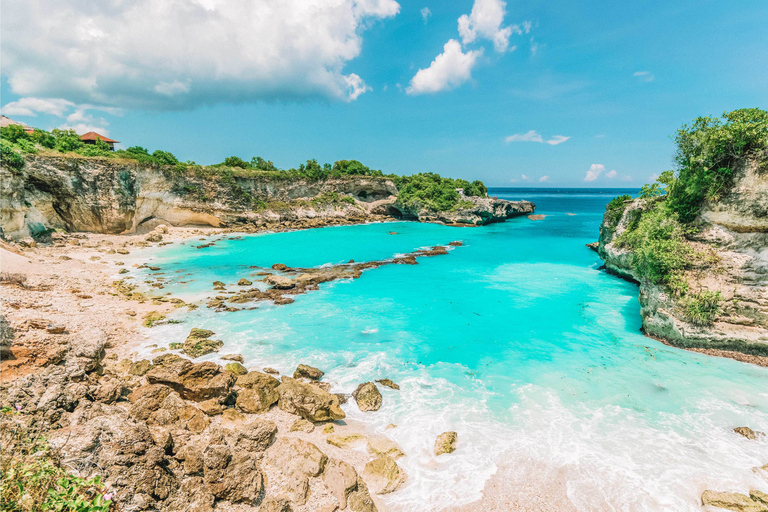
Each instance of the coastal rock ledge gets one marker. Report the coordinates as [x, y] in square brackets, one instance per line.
[121, 196]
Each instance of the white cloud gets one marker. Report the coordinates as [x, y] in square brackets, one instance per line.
[530, 136]
[168, 54]
[425, 14]
[594, 171]
[645, 76]
[485, 22]
[533, 136]
[544, 178]
[653, 177]
[557, 139]
[33, 106]
[611, 174]
[523, 177]
[449, 70]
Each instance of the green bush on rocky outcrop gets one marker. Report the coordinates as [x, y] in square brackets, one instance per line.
[707, 152]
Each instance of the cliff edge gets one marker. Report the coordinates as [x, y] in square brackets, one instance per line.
[108, 195]
[719, 297]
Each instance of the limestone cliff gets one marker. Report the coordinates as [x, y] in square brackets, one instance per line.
[121, 196]
[734, 231]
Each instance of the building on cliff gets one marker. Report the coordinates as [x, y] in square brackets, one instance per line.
[7, 121]
[92, 137]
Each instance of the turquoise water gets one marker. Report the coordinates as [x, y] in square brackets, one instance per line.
[516, 340]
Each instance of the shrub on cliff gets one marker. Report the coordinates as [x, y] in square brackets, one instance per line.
[707, 152]
[433, 191]
[10, 157]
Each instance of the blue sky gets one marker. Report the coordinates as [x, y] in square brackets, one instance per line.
[340, 81]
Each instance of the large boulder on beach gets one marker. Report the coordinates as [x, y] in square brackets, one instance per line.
[383, 475]
[308, 372]
[257, 392]
[341, 480]
[307, 401]
[732, 501]
[194, 381]
[446, 443]
[198, 343]
[279, 282]
[367, 397]
[86, 350]
[292, 455]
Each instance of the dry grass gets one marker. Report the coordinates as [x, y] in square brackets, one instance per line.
[13, 278]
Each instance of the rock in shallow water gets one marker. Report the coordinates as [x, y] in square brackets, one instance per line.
[384, 475]
[732, 501]
[309, 402]
[308, 372]
[367, 397]
[748, 433]
[446, 443]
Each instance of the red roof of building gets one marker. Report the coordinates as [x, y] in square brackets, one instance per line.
[96, 136]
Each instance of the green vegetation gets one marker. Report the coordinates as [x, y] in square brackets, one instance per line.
[332, 198]
[426, 190]
[707, 152]
[434, 192]
[33, 478]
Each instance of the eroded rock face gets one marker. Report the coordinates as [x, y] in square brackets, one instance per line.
[734, 231]
[383, 475]
[6, 337]
[307, 372]
[732, 501]
[257, 393]
[309, 402]
[368, 397]
[446, 443]
[198, 343]
[194, 381]
[476, 212]
[341, 480]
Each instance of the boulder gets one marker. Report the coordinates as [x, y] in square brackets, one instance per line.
[360, 500]
[302, 425]
[258, 392]
[233, 357]
[749, 433]
[341, 480]
[237, 479]
[380, 445]
[154, 237]
[446, 443]
[86, 350]
[307, 372]
[388, 383]
[244, 282]
[139, 368]
[367, 397]
[198, 343]
[194, 381]
[731, 501]
[235, 368]
[211, 407]
[352, 440]
[293, 455]
[759, 497]
[257, 436]
[309, 402]
[279, 282]
[383, 475]
[280, 266]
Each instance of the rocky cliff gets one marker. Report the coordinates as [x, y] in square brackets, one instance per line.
[733, 234]
[114, 196]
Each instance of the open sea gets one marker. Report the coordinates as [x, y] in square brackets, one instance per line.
[516, 340]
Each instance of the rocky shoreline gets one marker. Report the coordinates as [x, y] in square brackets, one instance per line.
[172, 434]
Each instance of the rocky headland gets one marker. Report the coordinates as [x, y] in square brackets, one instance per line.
[728, 238]
[109, 195]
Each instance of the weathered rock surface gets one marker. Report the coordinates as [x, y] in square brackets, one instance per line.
[341, 479]
[734, 231]
[446, 443]
[732, 501]
[194, 381]
[383, 475]
[380, 445]
[6, 336]
[367, 396]
[198, 343]
[257, 393]
[749, 433]
[309, 402]
[307, 372]
[346, 440]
